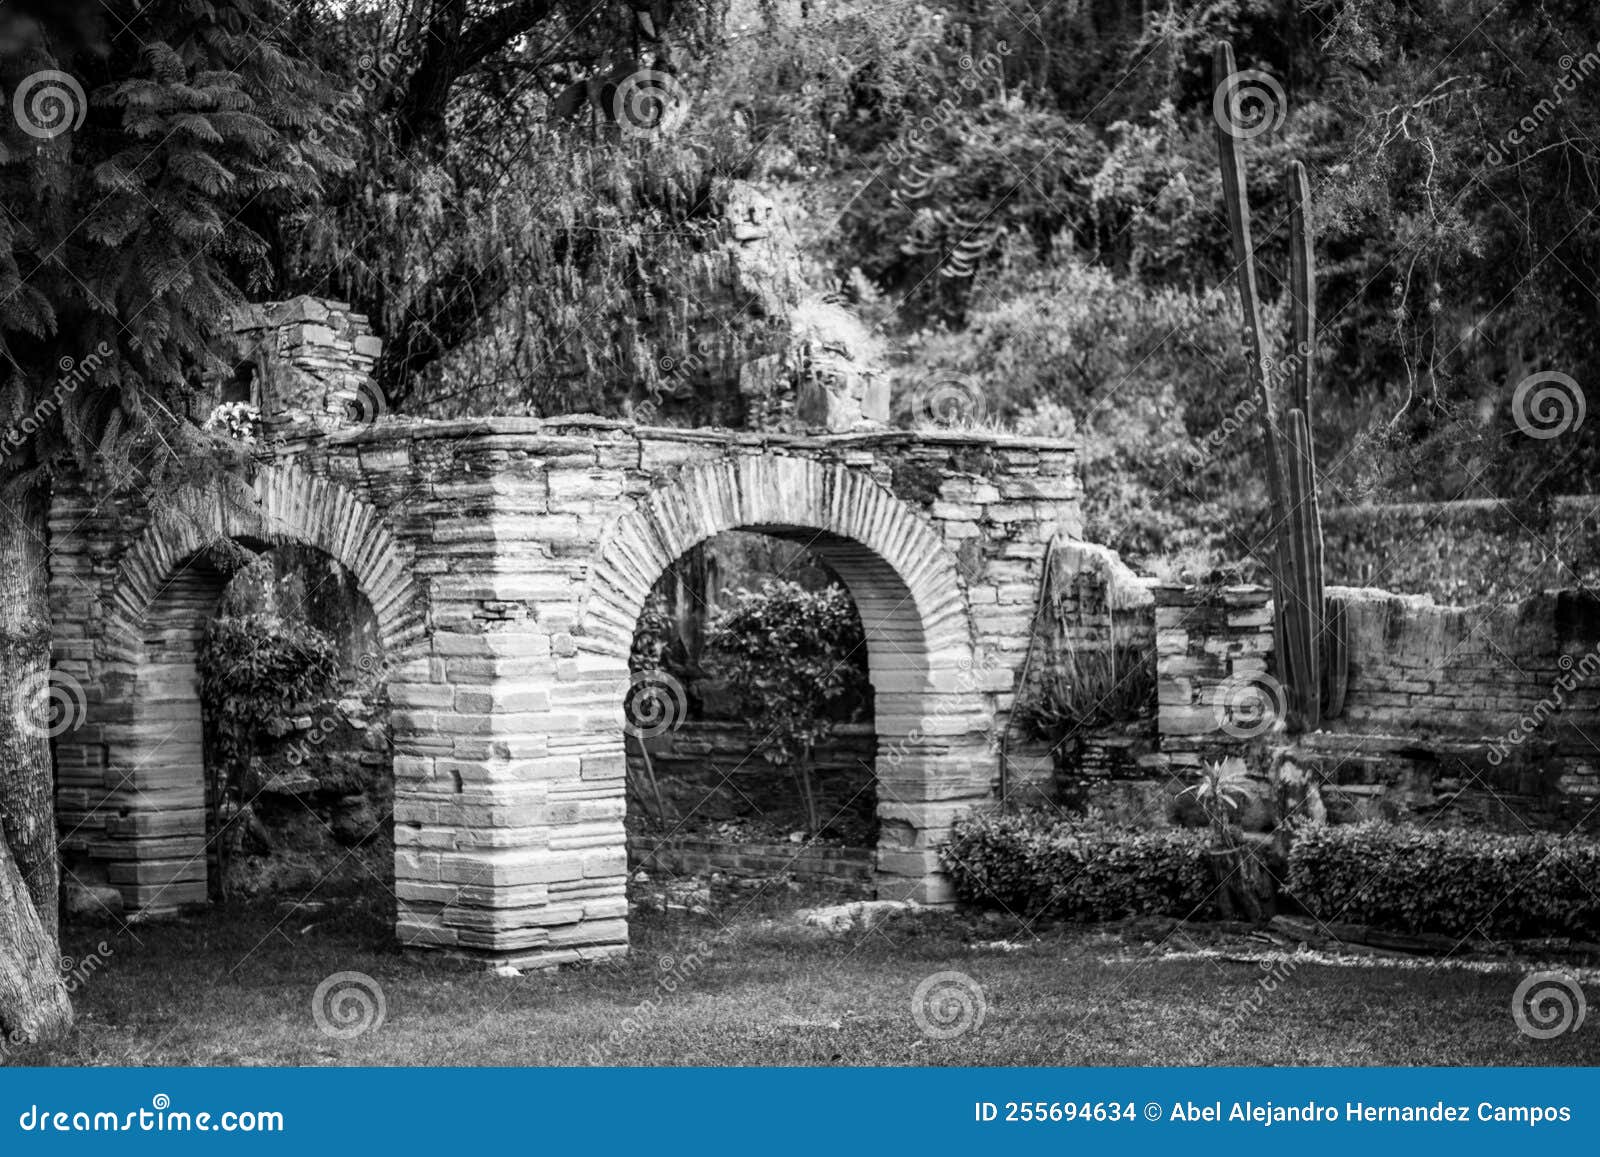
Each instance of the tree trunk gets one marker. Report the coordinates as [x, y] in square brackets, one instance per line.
[33, 1003]
[805, 778]
[33, 1000]
[28, 714]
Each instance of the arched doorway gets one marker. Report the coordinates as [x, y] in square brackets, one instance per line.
[934, 759]
[750, 739]
[131, 780]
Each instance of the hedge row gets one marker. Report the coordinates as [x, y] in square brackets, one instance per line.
[1031, 863]
[1452, 882]
[1455, 882]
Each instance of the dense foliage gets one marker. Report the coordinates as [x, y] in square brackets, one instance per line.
[1034, 862]
[788, 654]
[151, 151]
[1024, 202]
[255, 670]
[533, 201]
[1459, 883]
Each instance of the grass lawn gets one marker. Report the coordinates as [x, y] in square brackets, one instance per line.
[234, 987]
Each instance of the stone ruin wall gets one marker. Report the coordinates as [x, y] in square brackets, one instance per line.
[505, 560]
[1475, 716]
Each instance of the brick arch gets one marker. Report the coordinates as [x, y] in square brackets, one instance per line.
[851, 516]
[934, 760]
[293, 507]
[141, 826]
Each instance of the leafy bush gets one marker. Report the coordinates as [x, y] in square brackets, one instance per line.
[789, 655]
[258, 667]
[1450, 882]
[1032, 862]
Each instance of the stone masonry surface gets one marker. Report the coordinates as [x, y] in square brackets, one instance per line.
[506, 561]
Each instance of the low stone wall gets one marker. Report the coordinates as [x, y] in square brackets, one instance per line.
[1095, 604]
[1119, 771]
[1472, 716]
[710, 771]
[850, 870]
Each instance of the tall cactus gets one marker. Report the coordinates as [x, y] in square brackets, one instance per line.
[1308, 627]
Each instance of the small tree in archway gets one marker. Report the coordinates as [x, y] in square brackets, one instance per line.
[790, 654]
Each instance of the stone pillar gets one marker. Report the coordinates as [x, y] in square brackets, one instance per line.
[312, 364]
[1215, 692]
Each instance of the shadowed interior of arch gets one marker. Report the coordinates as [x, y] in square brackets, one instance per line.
[903, 749]
[154, 829]
[704, 763]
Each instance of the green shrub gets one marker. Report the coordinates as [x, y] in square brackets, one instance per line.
[1032, 863]
[256, 668]
[789, 654]
[1451, 882]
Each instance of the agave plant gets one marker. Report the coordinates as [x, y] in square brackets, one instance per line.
[1222, 790]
